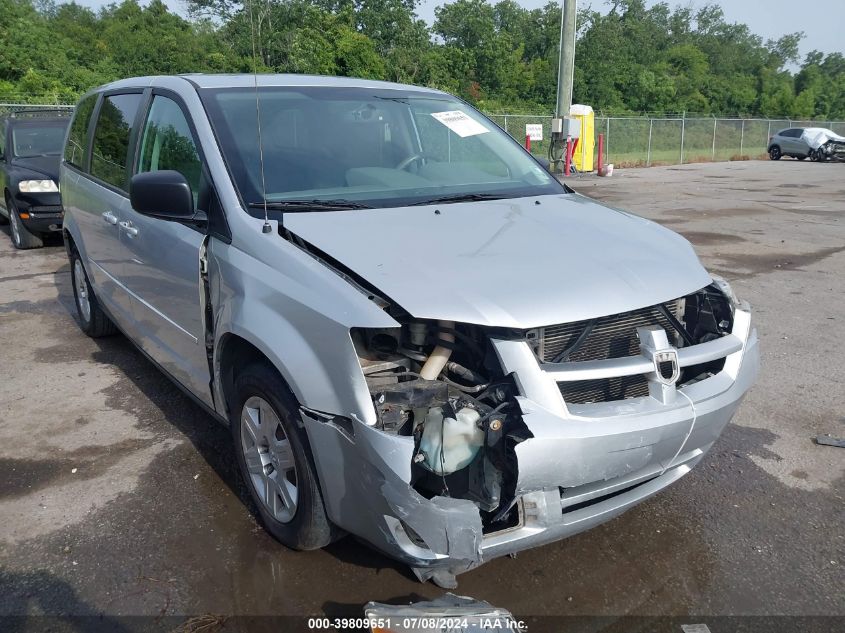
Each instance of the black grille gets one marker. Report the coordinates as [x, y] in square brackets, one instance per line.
[613, 336]
[605, 389]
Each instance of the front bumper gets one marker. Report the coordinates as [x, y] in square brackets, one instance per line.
[44, 210]
[584, 465]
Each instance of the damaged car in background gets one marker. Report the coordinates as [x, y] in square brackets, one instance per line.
[824, 144]
[416, 333]
[816, 143]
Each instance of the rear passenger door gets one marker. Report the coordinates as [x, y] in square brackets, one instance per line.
[102, 199]
[163, 257]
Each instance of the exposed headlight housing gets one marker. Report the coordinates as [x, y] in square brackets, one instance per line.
[726, 290]
[38, 186]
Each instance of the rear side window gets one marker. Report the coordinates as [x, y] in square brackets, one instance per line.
[76, 142]
[111, 138]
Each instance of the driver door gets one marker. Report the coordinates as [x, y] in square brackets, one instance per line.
[163, 269]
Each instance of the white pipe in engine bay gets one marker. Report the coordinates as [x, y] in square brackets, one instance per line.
[440, 354]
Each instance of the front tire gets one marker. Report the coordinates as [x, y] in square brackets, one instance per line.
[22, 238]
[775, 153]
[275, 461]
[92, 319]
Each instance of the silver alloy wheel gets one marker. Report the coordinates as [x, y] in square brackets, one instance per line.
[82, 300]
[269, 458]
[13, 220]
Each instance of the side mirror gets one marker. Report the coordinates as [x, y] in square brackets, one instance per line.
[162, 194]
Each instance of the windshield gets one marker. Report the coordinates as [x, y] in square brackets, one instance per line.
[38, 140]
[373, 147]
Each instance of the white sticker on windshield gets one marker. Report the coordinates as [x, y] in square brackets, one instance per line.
[460, 123]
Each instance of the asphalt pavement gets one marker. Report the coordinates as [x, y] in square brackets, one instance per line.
[119, 497]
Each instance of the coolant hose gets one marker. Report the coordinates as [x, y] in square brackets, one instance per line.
[439, 355]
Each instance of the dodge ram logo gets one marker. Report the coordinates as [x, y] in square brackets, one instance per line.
[666, 366]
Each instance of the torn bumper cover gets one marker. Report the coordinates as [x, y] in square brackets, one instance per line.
[584, 465]
[365, 477]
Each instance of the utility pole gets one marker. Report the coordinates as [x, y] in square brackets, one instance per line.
[566, 67]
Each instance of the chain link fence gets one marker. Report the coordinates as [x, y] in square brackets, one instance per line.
[646, 141]
[12, 108]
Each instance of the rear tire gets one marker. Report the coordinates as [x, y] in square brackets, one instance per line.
[92, 319]
[275, 460]
[22, 238]
[800, 157]
[775, 153]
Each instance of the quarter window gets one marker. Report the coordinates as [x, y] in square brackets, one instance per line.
[111, 138]
[77, 142]
[168, 143]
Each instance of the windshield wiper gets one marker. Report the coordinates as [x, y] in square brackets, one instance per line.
[458, 197]
[310, 205]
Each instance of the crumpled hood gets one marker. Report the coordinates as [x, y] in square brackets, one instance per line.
[509, 263]
[42, 167]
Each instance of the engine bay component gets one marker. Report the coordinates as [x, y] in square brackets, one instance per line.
[439, 355]
[449, 444]
[441, 383]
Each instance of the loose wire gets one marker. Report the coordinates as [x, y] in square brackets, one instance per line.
[692, 426]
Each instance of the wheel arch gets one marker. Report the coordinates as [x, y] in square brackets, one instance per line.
[235, 351]
[72, 237]
[70, 243]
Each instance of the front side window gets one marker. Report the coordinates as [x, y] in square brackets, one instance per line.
[382, 148]
[78, 137]
[42, 139]
[167, 143]
[111, 138]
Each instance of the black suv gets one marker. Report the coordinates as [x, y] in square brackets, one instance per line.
[30, 149]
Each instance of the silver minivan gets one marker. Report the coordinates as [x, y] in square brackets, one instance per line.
[416, 333]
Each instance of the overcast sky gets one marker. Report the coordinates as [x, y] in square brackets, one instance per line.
[821, 20]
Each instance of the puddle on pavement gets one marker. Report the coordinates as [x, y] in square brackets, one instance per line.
[706, 238]
[25, 476]
[754, 264]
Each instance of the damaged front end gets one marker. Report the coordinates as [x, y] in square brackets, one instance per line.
[438, 388]
[488, 440]
[824, 144]
[441, 384]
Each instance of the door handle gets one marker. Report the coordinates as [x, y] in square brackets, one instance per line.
[130, 230]
[110, 217]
